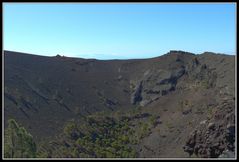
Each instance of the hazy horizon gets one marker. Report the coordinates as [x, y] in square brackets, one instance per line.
[106, 57]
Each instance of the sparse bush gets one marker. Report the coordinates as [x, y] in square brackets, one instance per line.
[71, 130]
[153, 120]
[205, 84]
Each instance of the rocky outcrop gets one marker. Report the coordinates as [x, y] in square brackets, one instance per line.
[201, 73]
[227, 154]
[215, 137]
[136, 95]
[155, 84]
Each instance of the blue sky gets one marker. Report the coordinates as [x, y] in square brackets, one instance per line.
[118, 31]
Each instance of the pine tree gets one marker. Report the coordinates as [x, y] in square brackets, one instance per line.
[18, 143]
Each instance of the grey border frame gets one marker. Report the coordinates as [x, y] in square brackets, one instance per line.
[117, 158]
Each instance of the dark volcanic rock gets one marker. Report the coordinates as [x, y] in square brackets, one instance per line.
[147, 91]
[136, 95]
[184, 89]
[216, 137]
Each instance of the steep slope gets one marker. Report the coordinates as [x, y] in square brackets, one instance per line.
[182, 89]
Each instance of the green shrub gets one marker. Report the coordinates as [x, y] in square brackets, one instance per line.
[71, 130]
[153, 120]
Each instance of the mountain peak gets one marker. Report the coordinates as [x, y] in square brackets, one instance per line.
[179, 52]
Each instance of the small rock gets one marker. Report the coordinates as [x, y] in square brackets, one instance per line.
[145, 102]
[146, 72]
[216, 144]
[227, 154]
[203, 122]
[119, 77]
[211, 125]
[230, 126]
[231, 129]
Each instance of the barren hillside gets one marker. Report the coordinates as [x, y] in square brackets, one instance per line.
[177, 105]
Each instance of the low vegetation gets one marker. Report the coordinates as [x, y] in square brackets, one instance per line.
[96, 136]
